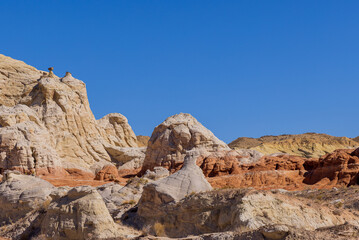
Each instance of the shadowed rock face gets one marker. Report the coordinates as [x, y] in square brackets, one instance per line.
[177, 134]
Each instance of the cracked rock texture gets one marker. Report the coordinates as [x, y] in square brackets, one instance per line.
[171, 140]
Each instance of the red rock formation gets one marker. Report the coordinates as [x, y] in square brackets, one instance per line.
[283, 171]
[338, 168]
[107, 173]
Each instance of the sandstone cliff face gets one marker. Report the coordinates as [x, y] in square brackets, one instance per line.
[142, 141]
[117, 130]
[63, 106]
[177, 134]
[310, 145]
[55, 126]
[25, 143]
[16, 81]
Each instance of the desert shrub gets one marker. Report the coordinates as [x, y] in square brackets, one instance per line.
[159, 229]
[131, 202]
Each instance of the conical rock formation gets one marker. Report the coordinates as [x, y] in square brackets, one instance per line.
[178, 134]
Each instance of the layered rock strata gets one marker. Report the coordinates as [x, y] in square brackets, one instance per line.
[310, 145]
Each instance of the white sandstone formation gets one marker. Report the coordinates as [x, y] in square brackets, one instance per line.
[80, 214]
[188, 180]
[56, 127]
[25, 143]
[171, 140]
[117, 130]
[238, 210]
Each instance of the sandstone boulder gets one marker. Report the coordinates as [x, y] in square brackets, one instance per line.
[126, 158]
[80, 214]
[188, 180]
[119, 198]
[177, 134]
[107, 173]
[20, 194]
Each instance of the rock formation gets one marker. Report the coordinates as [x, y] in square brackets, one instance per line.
[117, 130]
[80, 214]
[282, 171]
[22, 194]
[25, 143]
[142, 141]
[54, 126]
[17, 80]
[338, 168]
[310, 145]
[243, 210]
[175, 187]
[119, 198]
[177, 134]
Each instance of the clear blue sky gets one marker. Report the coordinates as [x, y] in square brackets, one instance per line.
[242, 68]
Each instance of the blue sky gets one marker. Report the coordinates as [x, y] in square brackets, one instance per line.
[242, 68]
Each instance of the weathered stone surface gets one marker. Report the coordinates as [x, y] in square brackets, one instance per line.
[119, 198]
[80, 214]
[281, 171]
[63, 106]
[16, 81]
[126, 157]
[107, 173]
[175, 187]
[310, 145]
[142, 141]
[230, 210]
[177, 134]
[338, 168]
[25, 143]
[57, 128]
[21, 194]
[117, 131]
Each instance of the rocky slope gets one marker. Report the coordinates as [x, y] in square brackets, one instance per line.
[306, 145]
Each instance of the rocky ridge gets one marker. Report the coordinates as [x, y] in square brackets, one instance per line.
[310, 145]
